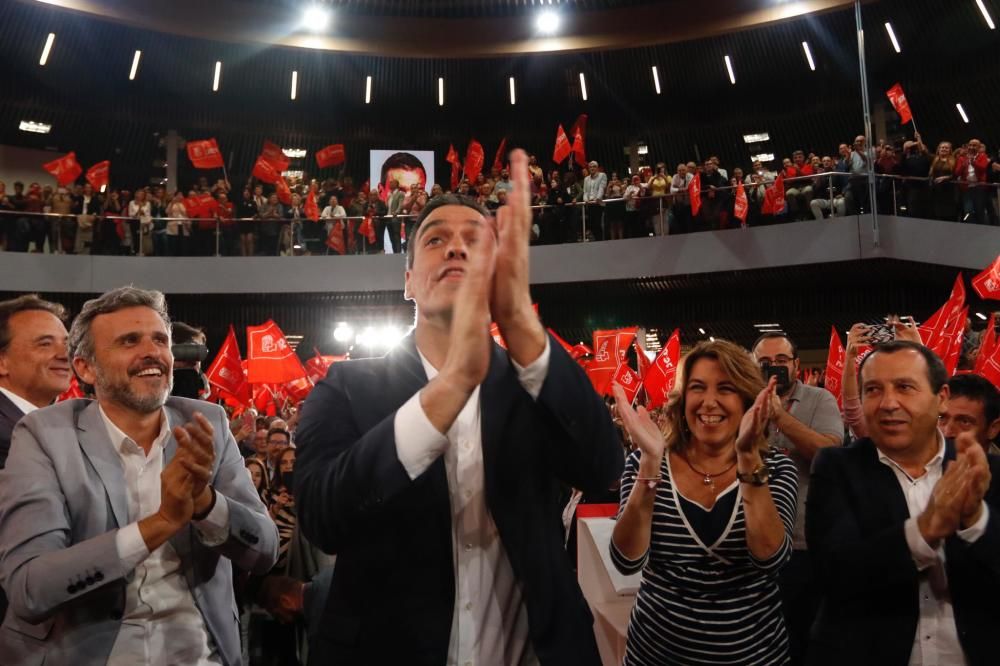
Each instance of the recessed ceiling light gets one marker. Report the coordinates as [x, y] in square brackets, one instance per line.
[547, 22]
[34, 127]
[316, 18]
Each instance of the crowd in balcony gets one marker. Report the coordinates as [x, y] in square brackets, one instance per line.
[950, 184]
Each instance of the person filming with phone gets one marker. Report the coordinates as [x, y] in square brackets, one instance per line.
[804, 419]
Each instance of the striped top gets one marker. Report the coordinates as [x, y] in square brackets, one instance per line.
[707, 603]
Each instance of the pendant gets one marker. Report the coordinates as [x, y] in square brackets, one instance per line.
[707, 480]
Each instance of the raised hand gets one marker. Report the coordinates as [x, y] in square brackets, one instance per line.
[969, 450]
[857, 337]
[176, 501]
[755, 420]
[640, 426]
[196, 454]
[943, 514]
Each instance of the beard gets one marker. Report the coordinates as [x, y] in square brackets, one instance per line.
[123, 393]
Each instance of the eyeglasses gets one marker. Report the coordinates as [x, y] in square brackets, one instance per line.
[780, 359]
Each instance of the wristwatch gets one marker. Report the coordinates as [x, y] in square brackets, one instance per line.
[758, 477]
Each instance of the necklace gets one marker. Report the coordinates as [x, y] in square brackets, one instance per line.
[708, 479]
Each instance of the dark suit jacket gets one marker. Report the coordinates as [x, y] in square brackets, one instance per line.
[10, 414]
[393, 589]
[855, 513]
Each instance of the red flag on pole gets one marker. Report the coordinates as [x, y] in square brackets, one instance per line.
[226, 376]
[284, 192]
[205, 154]
[779, 194]
[332, 155]
[335, 239]
[312, 208]
[900, 103]
[265, 171]
[563, 149]
[367, 229]
[659, 379]
[498, 159]
[987, 344]
[298, 390]
[630, 382]
[273, 154]
[456, 166]
[940, 324]
[319, 365]
[99, 175]
[610, 350]
[474, 160]
[579, 132]
[954, 340]
[65, 169]
[835, 366]
[694, 194]
[269, 357]
[741, 206]
[642, 362]
[987, 283]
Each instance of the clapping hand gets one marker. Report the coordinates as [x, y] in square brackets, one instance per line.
[755, 420]
[196, 454]
[639, 426]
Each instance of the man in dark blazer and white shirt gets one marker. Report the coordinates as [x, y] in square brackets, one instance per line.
[434, 472]
[119, 516]
[903, 528]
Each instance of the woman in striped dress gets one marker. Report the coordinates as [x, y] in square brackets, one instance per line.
[706, 514]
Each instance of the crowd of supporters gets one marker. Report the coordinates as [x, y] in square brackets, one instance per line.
[572, 205]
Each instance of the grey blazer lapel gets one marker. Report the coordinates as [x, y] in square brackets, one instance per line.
[101, 453]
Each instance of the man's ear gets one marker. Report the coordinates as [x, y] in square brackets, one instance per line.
[407, 295]
[4, 370]
[84, 371]
[993, 429]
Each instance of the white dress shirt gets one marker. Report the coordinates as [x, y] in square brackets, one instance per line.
[936, 641]
[161, 623]
[490, 621]
[19, 402]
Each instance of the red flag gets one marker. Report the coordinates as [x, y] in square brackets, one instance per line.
[642, 362]
[987, 283]
[312, 208]
[987, 345]
[767, 207]
[835, 366]
[99, 175]
[610, 350]
[269, 357]
[939, 325]
[205, 154]
[957, 334]
[630, 382]
[498, 159]
[226, 375]
[74, 391]
[367, 229]
[193, 207]
[456, 166]
[579, 132]
[272, 154]
[284, 192]
[332, 155]
[318, 365]
[988, 362]
[265, 171]
[298, 389]
[474, 160]
[497, 337]
[66, 169]
[563, 148]
[659, 379]
[694, 194]
[779, 194]
[207, 204]
[741, 206]
[900, 103]
[335, 239]
[580, 350]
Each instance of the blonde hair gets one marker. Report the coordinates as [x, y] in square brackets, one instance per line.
[736, 363]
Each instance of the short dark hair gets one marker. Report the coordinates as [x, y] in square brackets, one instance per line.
[772, 335]
[25, 303]
[937, 375]
[398, 161]
[977, 388]
[279, 431]
[440, 201]
[183, 334]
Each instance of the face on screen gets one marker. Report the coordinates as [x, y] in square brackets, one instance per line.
[408, 177]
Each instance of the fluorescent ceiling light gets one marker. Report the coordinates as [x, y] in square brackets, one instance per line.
[986, 14]
[295, 83]
[762, 157]
[809, 56]
[368, 90]
[583, 87]
[35, 127]
[218, 75]
[767, 325]
[513, 95]
[729, 68]
[961, 112]
[892, 37]
[981, 316]
[440, 91]
[135, 65]
[702, 331]
[47, 49]
[759, 137]
[294, 152]
[656, 80]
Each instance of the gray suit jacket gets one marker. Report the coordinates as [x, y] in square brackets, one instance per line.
[62, 500]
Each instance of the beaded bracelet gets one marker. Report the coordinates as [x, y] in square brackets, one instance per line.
[650, 481]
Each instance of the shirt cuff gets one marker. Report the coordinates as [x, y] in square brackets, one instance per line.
[532, 376]
[131, 547]
[923, 555]
[972, 533]
[213, 529]
[418, 442]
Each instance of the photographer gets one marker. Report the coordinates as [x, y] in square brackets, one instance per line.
[189, 351]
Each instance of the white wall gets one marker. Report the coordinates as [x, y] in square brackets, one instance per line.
[25, 165]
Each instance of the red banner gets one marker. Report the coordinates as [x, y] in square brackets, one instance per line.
[659, 379]
[610, 350]
[987, 283]
[579, 133]
[474, 160]
[319, 365]
[694, 194]
[987, 344]
[367, 229]
[939, 325]
[499, 158]
[332, 155]
[629, 380]
[312, 208]
[205, 154]
[779, 194]
[226, 376]
[65, 169]
[99, 175]
[269, 357]
[264, 171]
[563, 149]
[835, 366]
[274, 156]
[900, 103]
[283, 191]
[740, 205]
[335, 239]
[456, 166]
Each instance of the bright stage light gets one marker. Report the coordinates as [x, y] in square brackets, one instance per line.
[316, 18]
[343, 332]
[547, 22]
